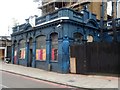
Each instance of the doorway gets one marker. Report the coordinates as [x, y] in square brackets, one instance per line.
[30, 57]
[30, 52]
[78, 60]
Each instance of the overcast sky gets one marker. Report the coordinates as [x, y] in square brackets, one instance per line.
[18, 9]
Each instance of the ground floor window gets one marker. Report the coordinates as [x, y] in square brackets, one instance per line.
[15, 51]
[22, 53]
[54, 46]
[22, 49]
[41, 48]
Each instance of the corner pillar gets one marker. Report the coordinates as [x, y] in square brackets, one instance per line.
[27, 53]
[66, 57]
[18, 52]
[34, 54]
[48, 55]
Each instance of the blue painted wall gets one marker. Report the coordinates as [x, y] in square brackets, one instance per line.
[65, 22]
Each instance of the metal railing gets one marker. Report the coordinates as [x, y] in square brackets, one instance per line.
[109, 23]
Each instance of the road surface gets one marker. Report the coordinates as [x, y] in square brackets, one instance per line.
[10, 80]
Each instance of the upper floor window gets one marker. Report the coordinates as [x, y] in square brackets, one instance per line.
[41, 48]
[89, 38]
[77, 38]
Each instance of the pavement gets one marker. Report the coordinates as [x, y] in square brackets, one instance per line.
[75, 80]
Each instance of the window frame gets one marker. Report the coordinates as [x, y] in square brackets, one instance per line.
[54, 48]
[41, 50]
[22, 45]
[78, 37]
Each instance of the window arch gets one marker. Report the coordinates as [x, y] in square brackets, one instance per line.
[90, 38]
[41, 47]
[54, 46]
[22, 49]
[77, 38]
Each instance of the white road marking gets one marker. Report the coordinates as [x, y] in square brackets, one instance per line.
[4, 86]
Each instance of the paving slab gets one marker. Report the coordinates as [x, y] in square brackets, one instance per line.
[75, 80]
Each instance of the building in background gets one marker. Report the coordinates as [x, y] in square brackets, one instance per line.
[105, 11]
[48, 6]
[5, 47]
[118, 9]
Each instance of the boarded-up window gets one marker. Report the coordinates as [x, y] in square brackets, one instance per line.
[54, 46]
[22, 49]
[15, 52]
[78, 38]
[41, 48]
